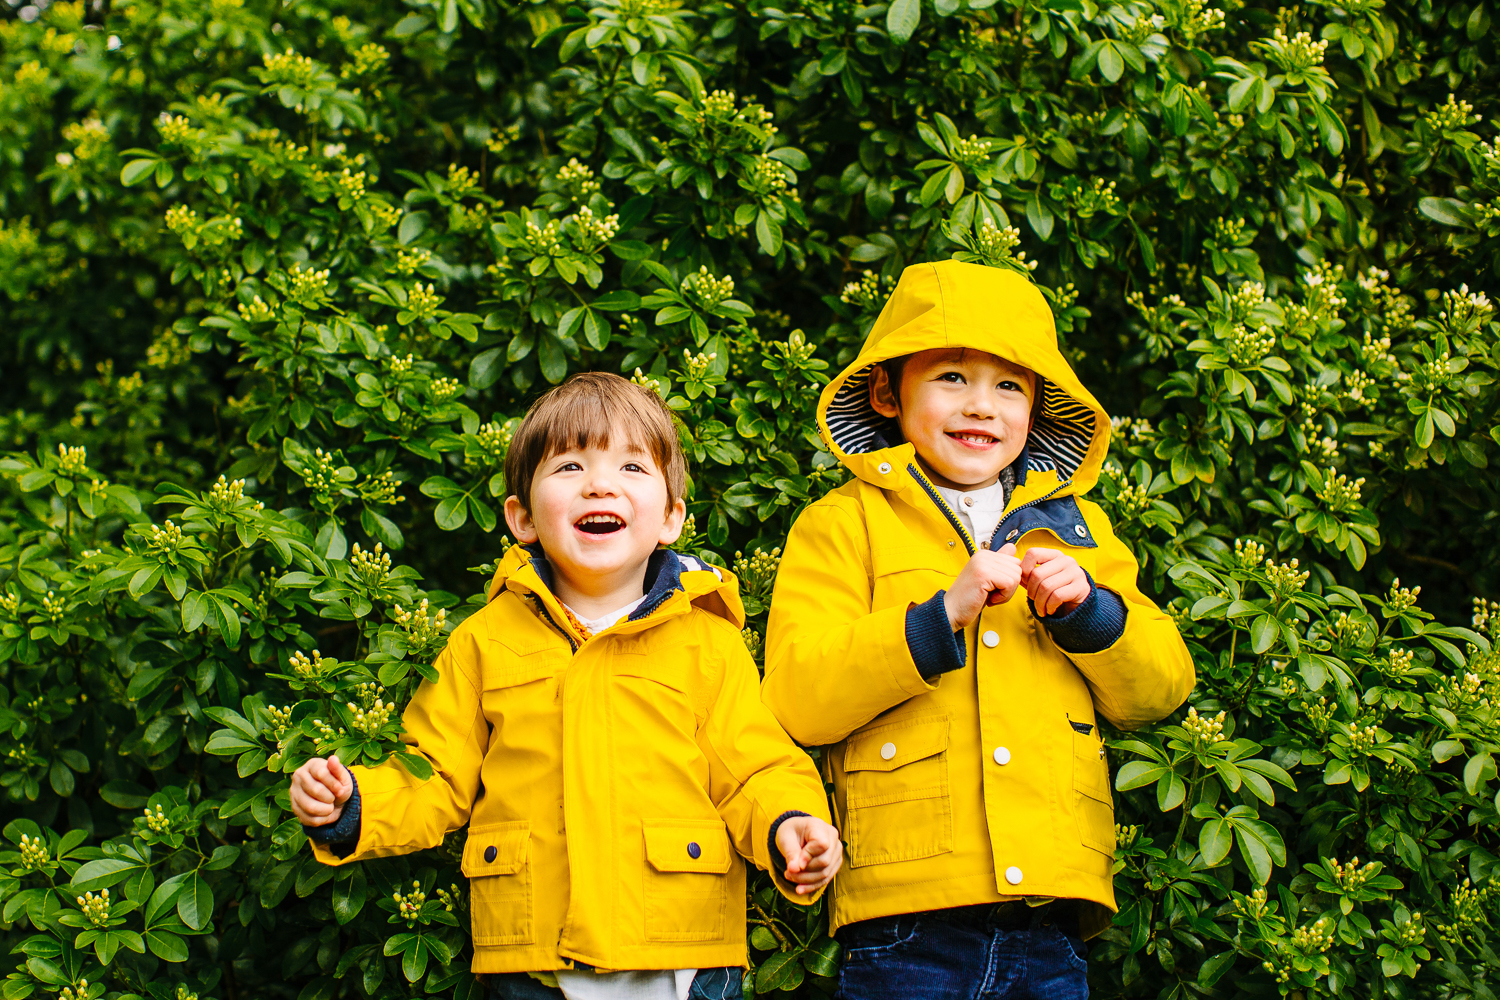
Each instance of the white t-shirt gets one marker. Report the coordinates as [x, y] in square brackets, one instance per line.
[604, 621]
[667, 984]
[979, 510]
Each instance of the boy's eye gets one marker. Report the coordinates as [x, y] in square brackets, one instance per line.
[569, 467]
[956, 378]
[632, 467]
[1011, 386]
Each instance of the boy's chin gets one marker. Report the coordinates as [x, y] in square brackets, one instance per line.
[969, 475]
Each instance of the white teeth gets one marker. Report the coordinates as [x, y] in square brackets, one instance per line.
[601, 519]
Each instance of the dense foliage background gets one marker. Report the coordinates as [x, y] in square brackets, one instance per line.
[277, 279]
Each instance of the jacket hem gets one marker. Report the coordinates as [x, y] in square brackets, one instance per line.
[533, 958]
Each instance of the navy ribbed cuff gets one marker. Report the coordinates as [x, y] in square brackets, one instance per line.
[1095, 625]
[778, 860]
[342, 835]
[935, 647]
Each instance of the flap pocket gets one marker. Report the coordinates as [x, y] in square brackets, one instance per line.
[671, 671]
[887, 560]
[496, 848]
[513, 671]
[687, 845]
[887, 747]
[1090, 769]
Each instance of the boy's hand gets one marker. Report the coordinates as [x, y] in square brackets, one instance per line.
[812, 850]
[319, 790]
[987, 578]
[1054, 581]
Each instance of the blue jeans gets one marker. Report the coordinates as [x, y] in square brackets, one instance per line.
[708, 984]
[925, 956]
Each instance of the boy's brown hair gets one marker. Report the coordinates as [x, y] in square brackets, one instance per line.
[587, 411]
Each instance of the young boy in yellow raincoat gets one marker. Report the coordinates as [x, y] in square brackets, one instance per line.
[961, 715]
[598, 726]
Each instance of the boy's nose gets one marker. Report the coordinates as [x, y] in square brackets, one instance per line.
[601, 485]
[981, 404]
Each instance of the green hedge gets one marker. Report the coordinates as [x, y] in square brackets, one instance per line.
[276, 280]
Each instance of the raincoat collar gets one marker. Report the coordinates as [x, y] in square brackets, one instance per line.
[525, 570]
[1001, 312]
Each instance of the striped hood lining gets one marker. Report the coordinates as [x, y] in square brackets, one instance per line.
[1058, 442]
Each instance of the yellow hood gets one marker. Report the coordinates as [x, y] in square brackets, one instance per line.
[949, 304]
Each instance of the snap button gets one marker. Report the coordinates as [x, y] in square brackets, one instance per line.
[490, 853]
[694, 851]
[885, 468]
[991, 638]
[968, 501]
[1013, 533]
[1002, 756]
[950, 545]
[888, 751]
[1013, 875]
[1080, 531]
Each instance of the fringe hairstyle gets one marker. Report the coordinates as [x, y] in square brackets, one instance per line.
[590, 410]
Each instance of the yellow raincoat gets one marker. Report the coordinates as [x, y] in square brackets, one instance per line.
[988, 782]
[610, 784]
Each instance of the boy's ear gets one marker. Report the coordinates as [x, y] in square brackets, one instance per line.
[519, 519]
[671, 530]
[883, 398]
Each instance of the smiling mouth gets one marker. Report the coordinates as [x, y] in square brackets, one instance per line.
[600, 524]
[973, 439]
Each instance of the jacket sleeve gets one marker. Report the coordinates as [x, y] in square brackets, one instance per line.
[756, 773]
[1147, 672]
[445, 724]
[832, 662]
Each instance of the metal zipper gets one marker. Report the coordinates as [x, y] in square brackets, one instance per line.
[542, 607]
[937, 498]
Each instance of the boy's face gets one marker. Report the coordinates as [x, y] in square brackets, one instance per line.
[598, 513]
[967, 412]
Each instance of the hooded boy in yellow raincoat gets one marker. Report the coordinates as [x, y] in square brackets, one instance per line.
[962, 722]
[597, 726]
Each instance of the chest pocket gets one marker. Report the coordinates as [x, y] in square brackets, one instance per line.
[898, 800]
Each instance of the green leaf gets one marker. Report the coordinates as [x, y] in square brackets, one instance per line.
[1447, 211]
[1111, 63]
[101, 873]
[1264, 632]
[902, 18]
[195, 905]
[767, 234]
[349, 896]
[136, 171]
[166, 946]
[1215, 839]
[486, 367]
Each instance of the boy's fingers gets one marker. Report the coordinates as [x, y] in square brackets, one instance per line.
[344, 786]
[1037, 556]
[319, 791]
[789, 839]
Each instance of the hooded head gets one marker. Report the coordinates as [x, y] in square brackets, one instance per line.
[953, 305]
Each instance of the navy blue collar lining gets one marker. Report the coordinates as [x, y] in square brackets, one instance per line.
[663, 576]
